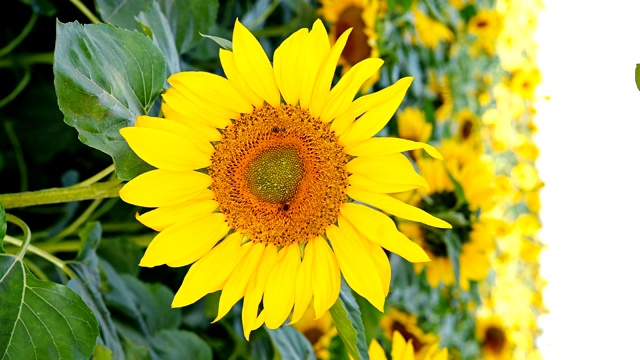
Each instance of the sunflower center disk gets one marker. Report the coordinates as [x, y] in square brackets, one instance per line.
[274, 174]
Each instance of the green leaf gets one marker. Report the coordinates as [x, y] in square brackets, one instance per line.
[153, 301]
[156, 26]
[180, 344]
[87, 285]
[454, 246]
[638, 76]
[370, 318]
[348, 321]
[105, 78]
[3, 226]
[224, 43]
[122, 253]
[101, 353]
[187, 18]
[291, 344]
[42, 319]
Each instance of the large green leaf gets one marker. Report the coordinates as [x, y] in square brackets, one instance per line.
[180, 344]
[105, 78]
[348, 321]
[87, 285]
[187, 18]
[291, 344]
[3, 226]
[156, 26]
[41, 319]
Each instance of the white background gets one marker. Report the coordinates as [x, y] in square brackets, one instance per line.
[589, 139]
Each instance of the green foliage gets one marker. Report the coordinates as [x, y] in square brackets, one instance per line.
[40, 318]
[186, 18]
[3, 226]
[290, 344]
[105, 78]
[155, 25]
[348, 320]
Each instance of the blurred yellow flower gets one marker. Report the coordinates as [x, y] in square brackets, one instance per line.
[402, 349]
[430, 32]
[319, 332]
[360, 16]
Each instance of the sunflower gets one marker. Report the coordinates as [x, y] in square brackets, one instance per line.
[402, 349]
[430, 32]
[359, 16]
[494, 337]
[474, 257]
[319, 332]
[256, 174]
[486, 25]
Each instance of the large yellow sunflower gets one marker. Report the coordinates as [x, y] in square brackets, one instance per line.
[256, 174]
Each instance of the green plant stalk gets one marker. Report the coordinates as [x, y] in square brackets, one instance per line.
[102, 190]
[27, 59]
[35, 269]
[97, 177]
[18, 39]
[18, 89]
[94, 19]
[79, 221]
[15, 142]
[25, 229]
[43, 254]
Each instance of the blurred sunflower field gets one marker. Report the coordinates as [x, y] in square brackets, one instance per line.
[284, 179]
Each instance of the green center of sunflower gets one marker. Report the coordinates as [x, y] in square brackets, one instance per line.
[274, 174]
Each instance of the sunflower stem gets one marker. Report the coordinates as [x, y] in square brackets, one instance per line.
[43, 254]
[94, 19]
[102, 190]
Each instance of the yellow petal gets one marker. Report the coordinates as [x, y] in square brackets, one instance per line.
[325, 277]
[227, 59]
[343, 93]
[396, 207]
[255, 290]
[166, 150]
[376, 352]
[163, 188]
[254, 65]
[356, 264]
[378, 146]
[387, 169]
[163, 217]
[285, 59]
[304, 283]
[185, 242]
[175, 127]
[325, 76]
[197, 109]
[279, 294]
[382, 265]
[236, 285]
[380, 229]
[314, 51]
[363, 182]
[377, 117]
[209, 132]
[210, 272]
[213, 89]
